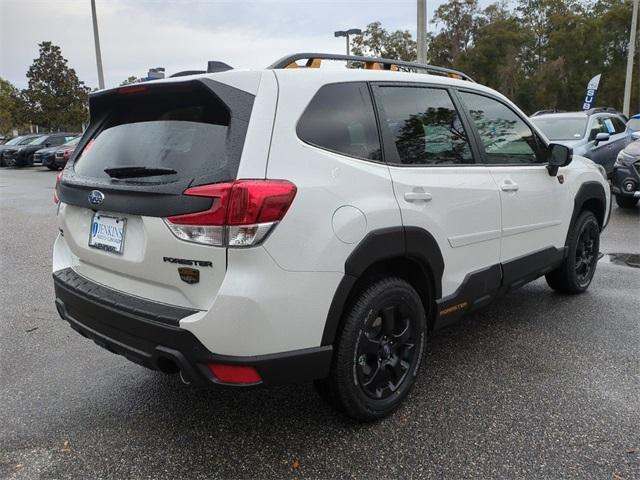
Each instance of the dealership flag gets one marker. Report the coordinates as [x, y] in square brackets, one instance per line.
[592, 90]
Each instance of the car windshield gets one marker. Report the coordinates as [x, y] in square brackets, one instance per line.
[38, 140]
[72, 142]
[634, 124]
[562, 128]
[14, 141]
[25, 140]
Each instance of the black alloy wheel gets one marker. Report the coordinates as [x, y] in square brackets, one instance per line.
[386, 351]
[587, 254]
[378, 349]
[576, 272]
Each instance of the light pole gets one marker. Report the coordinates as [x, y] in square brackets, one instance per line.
[96, 39]
[422, 31]
[626, 104]
[346, 33]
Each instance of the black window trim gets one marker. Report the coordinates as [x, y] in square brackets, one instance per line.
[543, 145]
[337, 152]
[390, 153]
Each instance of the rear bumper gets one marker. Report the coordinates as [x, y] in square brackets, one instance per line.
[148, 333]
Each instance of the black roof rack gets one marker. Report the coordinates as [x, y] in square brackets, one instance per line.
[602, 110]
[546, 111]
[386, 63]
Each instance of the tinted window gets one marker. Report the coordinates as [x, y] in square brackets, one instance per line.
[504, 135]
[425, 125]
[618, 124]
[561, 128]
[187, 132]
[340, 118]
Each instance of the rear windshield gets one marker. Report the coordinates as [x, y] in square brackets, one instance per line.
[562, 128]
[182, 135]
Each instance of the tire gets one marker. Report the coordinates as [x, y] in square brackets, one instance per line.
[378, 351]
[579, 266]
[626, 202]
[52, 166]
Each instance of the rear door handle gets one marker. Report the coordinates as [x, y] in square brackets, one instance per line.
[509, 186]
[417, 196]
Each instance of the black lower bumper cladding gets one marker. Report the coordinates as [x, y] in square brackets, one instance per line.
[148, 333]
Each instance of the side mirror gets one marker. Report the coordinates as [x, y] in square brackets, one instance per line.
[635, 135]
[601, 137]
[559, 156]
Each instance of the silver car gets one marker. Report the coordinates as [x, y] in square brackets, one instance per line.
[598, 134]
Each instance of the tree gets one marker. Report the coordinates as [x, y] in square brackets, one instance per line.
[457, 19]
[375, 41]
[12, 112]
[130, 80]
[56, 99]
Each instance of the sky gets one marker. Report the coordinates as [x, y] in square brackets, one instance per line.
[184, 34]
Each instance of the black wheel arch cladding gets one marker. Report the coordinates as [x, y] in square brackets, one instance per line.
[413, 243]
[590, 196]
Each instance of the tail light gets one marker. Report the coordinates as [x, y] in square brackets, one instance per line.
[56, 199]
[242, 213]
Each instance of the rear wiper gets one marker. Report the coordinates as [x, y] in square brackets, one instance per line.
[138, 171]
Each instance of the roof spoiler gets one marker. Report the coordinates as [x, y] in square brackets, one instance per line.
[370, 63]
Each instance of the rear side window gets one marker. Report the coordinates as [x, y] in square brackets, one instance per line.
[340, 118]
[425, 125]
[163, 136]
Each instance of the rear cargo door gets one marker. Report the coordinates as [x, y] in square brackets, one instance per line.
[145, 146]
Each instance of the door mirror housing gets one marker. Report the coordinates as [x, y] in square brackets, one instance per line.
[601, 137]
[559, 156]
[635, 135]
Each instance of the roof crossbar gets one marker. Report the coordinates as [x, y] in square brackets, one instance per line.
[386, 63]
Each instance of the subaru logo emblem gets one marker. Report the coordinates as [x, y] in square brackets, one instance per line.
[96, 197]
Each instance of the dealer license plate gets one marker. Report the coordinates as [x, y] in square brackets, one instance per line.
[107, 233]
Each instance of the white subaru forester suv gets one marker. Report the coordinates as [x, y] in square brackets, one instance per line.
[297, 223]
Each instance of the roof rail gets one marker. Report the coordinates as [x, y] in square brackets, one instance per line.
[374, 63]
[602, 110]
[546, 111]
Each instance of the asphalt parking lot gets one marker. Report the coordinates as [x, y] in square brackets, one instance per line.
[537, 385]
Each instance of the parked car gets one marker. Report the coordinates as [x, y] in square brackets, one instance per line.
[598, 134]
[634, 123]
[16, 142]
[625, 182]
[4, 139]
[251, 228]
[22, 155]
[63, 154]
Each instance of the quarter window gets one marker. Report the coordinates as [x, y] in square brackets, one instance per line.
[424, 124]
[504, 135]
[340, 118]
